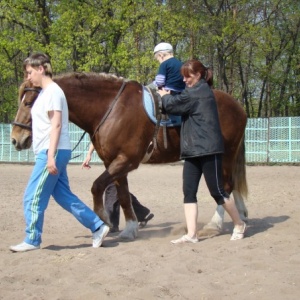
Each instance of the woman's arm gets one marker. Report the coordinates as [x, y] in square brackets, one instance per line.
[176, 105]
[55, 119]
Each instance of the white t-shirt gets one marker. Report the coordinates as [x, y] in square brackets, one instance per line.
[51, 98]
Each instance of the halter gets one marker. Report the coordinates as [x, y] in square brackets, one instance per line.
[24, 126]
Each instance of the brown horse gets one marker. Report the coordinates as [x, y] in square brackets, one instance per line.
[110, 109]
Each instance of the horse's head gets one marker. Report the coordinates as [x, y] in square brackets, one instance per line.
[21, 134]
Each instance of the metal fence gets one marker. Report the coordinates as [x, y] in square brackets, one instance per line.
[9, 154]
[267, 140]
[273, 140]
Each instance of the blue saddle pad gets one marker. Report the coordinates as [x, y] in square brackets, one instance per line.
[172, 120]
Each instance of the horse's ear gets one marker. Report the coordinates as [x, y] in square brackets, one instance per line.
[209, 77]
[21, 90]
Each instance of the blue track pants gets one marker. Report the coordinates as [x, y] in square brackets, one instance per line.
[41, 186]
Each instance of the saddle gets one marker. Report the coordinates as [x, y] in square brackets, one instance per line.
[152, 105]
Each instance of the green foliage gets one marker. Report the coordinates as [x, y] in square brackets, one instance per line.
[252, 46]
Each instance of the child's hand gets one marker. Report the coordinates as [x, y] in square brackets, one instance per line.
[86, 162]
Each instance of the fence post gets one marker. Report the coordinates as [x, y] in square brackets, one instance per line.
[290, 139]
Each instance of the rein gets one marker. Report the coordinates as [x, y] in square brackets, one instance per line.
[32, 90]
[24, 126]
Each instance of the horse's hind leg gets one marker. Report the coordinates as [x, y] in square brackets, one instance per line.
[215, 225]
[131, 228]
[235, 183]
[240, 205]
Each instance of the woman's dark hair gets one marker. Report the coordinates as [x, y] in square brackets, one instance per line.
[194, 66]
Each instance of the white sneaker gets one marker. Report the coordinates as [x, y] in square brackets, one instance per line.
[23, 247]
[99, 235]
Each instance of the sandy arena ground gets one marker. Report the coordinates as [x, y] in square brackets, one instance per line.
[265, 265]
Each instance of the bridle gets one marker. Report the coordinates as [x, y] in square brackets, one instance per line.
[24, 126]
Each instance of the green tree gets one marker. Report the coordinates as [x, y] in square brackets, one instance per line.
[251, 45]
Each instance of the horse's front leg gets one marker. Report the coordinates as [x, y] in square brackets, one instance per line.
[131, 227]
[97, 190]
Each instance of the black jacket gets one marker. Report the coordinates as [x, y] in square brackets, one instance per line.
[200, 130]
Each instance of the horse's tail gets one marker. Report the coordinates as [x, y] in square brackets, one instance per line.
[239, 170]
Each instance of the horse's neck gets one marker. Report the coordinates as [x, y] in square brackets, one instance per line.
[86, 105]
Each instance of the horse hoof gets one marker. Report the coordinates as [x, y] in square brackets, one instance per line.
[208, 232]
[127, 236]
[130, 232]
[213, 226]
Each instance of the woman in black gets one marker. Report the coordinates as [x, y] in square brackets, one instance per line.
[201, 146]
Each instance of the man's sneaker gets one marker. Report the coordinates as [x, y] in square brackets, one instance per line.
[144, 222]
[99, 235]
[114, 229]
[23, 247]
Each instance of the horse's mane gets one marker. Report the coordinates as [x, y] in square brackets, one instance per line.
[90, 75]
[81, 76]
